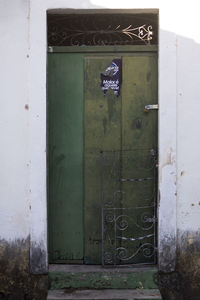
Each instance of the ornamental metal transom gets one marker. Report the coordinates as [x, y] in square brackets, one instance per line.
[102, 29]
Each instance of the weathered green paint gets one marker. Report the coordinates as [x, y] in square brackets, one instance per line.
[139, 89]
[65, 156]
[139, 135]
[120, 123]
[102, 132]
[104, 280]
[82, 122]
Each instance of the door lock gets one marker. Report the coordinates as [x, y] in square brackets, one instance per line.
[150, 106]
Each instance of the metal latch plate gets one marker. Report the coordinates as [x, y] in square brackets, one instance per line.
[151, 106]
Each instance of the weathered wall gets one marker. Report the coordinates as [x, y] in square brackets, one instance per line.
[14, 121]
[15, 160]
[188, 149]
[23, 222]
[184, 282]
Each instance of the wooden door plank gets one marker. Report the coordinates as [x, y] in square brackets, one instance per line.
[139, 89]
[139, 144]
[102, 132]
[65, 156]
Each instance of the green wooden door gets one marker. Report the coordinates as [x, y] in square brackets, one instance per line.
[65, 157]
[83, 124]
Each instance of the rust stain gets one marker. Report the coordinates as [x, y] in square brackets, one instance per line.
[26, 107]
[192, 204]
[182, 173]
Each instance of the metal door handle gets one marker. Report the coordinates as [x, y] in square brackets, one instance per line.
[150, 106]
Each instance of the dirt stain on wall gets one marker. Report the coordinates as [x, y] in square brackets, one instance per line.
[183, 283]
[16, 282]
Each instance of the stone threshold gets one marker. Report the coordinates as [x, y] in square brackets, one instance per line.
[97, 277]
[108, 294]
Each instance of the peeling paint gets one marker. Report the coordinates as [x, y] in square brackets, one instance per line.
[167, 163]
[182, 173]
[168, 160]
[104, 279]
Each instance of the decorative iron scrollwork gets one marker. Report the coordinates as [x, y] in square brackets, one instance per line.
[102, 37]
[129, 219]
[143, 32]
[147, 251]
[101, 30]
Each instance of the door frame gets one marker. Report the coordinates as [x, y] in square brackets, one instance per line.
[167, 93]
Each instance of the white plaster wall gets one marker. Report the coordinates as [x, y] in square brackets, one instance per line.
[23, 132]
[188, 129]
[14, 120]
